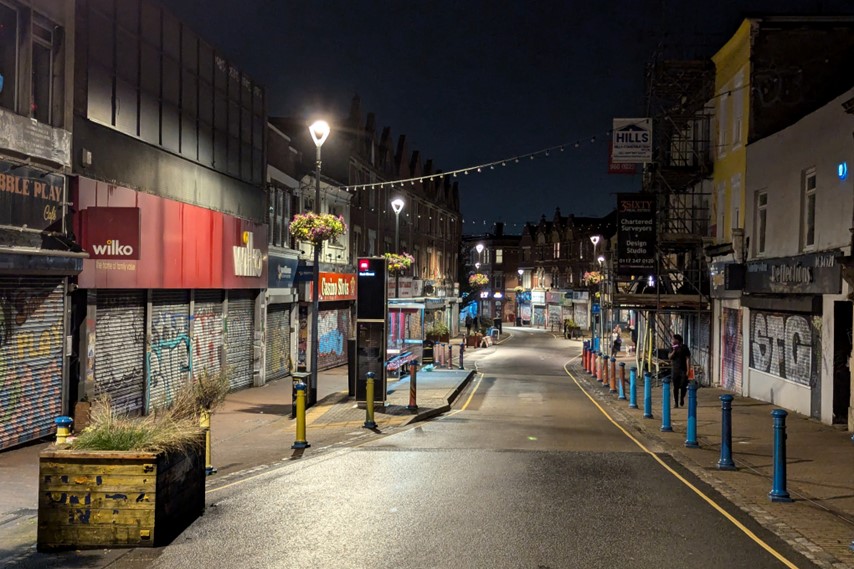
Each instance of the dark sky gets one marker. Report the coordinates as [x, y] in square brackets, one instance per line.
[470, 82]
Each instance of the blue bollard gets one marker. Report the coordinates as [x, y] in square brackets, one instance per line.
[778, 491]
[647, 396]
[633, 388]
[665, 406]
[691, 434]
[595, 344]
[620, 380]
[725, 462]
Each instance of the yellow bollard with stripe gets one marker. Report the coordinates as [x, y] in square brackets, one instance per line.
[369, 402]
[300, 441]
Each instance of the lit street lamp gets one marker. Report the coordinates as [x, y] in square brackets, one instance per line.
[519, 304]
[397, 206]
[319, 133]
[601, 260]
[595, 240]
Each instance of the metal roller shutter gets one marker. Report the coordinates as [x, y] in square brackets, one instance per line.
[278, 340]
[31, 332]
[239, 342]
[120, 348]
[207, 331]
[333, 331]
[169, 346]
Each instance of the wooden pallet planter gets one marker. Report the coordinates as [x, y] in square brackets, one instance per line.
[98, 499]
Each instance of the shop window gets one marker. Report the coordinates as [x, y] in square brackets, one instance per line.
[808, 215]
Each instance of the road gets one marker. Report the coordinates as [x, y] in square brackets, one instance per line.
[525, 472]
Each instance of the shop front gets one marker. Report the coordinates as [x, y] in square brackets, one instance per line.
[169, 290]
[36, 260]
[334, 328]
[538, 308]
[281, 300]
[798, 334]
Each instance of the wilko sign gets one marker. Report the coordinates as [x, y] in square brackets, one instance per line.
[111, 232]
[248, 261]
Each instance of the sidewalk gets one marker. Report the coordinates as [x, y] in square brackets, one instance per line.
[819, 523]
[251, 431]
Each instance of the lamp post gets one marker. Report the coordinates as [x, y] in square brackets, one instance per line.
[601, 260]
[519, 304]
[319, 132]
[479, 249]
[595, 240]
[397, 206]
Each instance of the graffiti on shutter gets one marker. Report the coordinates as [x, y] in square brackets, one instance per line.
[731, 350]
[120, 349]
[31, 332]
[168, 355]
[239, 346]
[333, 330]
[207, 331]
[278, 340]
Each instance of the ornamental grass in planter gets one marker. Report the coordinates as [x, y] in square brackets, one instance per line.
[128, 481]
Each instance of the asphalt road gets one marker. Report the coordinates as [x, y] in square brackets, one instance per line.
[525, 472]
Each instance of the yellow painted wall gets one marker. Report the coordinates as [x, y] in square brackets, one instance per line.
[732, 94]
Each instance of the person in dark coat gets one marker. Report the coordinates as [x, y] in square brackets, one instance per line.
[680, 358]
[469, 322]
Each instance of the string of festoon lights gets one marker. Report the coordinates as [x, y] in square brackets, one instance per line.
[479, 168]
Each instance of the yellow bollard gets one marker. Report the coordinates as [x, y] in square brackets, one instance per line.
[300, 442]
[369, 403]
[205, 424]
[63, 429]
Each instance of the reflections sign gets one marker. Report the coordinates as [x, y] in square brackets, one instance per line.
[636, 234]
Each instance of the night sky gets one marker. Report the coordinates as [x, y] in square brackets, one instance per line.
[471, 82]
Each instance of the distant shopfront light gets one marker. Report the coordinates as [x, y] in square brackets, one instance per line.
[842, 170]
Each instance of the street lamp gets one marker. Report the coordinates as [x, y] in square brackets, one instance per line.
[397, 206]
[477, 266]
[319, 132]
[601, 260]
[518, 303]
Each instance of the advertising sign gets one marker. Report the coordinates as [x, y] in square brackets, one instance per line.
[281, 269]
[335, 286]
[177, 245]
[632, 141]
[30, 198]
[619, 167]
[815, 273]
[371, 289]
[111, 232]
[636, 234]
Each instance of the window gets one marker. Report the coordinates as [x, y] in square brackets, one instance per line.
[40, 59]
[372, 242]
[556, 251]
[761, 221]
[809, 209]
[499, 256]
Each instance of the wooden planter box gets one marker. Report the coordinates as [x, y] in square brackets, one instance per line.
[103, 499]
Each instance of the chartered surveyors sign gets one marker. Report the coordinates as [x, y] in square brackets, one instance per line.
[631, 141]
[636, 234]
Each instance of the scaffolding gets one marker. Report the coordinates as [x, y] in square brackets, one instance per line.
[676, 299]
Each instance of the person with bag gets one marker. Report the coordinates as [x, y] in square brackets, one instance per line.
[617, 342]
[680, 356]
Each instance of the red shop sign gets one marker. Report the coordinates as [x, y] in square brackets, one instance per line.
[178, 245]
[335, 286]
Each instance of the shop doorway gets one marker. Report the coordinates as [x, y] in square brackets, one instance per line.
[841, 354]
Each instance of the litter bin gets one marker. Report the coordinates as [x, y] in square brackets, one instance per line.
[427, 353]
[298, 377]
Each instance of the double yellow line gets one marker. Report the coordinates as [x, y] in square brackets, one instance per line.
[681, 478]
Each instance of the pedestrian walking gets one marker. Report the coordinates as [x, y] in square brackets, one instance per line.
[617, 342]
[469, 322]
[680, 358]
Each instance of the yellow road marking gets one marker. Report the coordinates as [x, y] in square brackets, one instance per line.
[679, 477]
[471, 395]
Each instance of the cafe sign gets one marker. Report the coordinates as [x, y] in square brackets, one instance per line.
[815, 273]
[31, 198]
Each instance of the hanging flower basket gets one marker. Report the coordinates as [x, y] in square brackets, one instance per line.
[399, 263]
[478, 279]
[316, 228]
[592, 278]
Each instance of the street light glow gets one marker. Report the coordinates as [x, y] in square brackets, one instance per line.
[319, 132]
[397, 205]
[479, 248]
[594, 239]
[601, 259]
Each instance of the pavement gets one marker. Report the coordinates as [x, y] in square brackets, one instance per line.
[253, 431]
